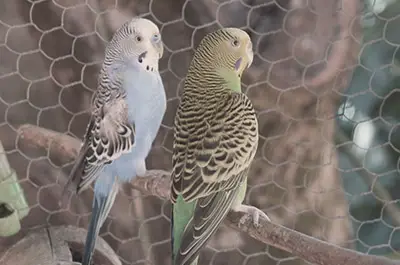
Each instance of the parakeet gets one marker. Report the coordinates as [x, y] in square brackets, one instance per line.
[127, 111]
[215, 140]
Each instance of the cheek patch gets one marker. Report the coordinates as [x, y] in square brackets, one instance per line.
[142, 56]
[238, 63]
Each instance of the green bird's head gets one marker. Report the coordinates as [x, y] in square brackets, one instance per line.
[227, 49]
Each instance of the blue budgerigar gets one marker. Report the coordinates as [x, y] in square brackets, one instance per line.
[127, 111]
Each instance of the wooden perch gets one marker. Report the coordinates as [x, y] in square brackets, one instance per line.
[157, 183]
[53, 245]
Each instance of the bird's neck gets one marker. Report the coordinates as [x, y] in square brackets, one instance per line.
[209, 87]
[231, 78]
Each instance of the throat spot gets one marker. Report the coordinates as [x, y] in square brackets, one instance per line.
[149, 68]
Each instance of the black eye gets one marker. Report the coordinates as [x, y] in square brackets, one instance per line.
[235, 43]
[138, 38]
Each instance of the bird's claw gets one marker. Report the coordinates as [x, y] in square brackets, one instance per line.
[251, 212]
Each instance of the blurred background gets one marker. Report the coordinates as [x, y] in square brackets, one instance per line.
[325, 84]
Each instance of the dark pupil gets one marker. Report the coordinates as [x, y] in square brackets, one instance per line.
[138, 38]
[235, 42]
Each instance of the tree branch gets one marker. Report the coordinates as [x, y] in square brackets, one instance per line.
[341, 47]
[157, 184]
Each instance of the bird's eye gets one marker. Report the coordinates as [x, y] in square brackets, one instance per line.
[235, 43]
[138, 38]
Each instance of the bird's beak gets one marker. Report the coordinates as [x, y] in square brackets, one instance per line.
[159, 46]
[250, 54]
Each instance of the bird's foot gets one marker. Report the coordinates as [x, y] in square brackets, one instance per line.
[250, 212]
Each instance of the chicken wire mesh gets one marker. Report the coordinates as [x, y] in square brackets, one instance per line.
[319, 88]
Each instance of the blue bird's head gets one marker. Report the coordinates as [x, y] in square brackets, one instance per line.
[137, 41]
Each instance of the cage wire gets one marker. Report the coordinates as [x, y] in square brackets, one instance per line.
[324, 83]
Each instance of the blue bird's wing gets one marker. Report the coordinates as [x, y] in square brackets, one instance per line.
[108, 136]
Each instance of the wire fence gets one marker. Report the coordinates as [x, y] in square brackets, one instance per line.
[324, 83]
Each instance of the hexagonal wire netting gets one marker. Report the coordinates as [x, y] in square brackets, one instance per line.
[311, 61]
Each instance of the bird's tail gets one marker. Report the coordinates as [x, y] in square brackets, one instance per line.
[75, 175]
[101, 207]
[76, 172]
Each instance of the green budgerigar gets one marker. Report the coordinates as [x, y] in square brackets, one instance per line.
[215, 140]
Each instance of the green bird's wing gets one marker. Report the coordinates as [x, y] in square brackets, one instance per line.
[212, 151]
